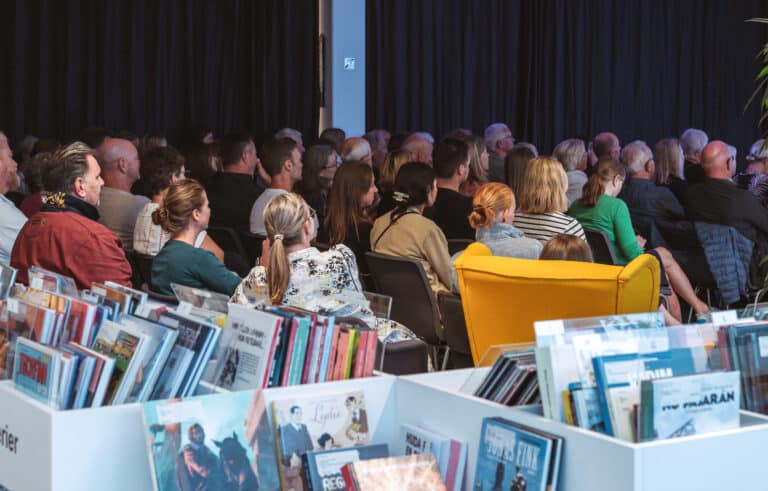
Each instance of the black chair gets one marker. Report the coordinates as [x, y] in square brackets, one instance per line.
[402, 357]
[455, 331]
[143, 265]
[456, 245]
[252, 243]
[602, 252]
[228, 239]
[169, 299]
[413, 303]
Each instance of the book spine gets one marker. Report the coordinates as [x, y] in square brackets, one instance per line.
[311, 351]
[567, 406]
[370, 354]
[360, 352]
[354, 337]
[646, 416]
[331, 354]
[289, 354]
[341, 352]
[546, 384]
[346, 473]
[271, 355]
[600, 376]
[299, 352]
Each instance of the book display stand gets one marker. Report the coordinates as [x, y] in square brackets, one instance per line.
[105, 448]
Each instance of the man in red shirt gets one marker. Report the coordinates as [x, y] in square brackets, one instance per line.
[65, 236]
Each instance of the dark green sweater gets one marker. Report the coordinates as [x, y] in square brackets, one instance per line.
[179, 262]
[610, 215]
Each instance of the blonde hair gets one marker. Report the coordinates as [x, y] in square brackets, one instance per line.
[490, 199]
[180, 201]
[668, 157]
[284, 219]
[544, 187]
[568, 248]
[392, 163]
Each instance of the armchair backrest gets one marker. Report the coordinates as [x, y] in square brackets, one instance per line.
[503, 296]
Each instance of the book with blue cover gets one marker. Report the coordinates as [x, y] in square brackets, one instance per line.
[613, 371]
[36, 371]
[689, 405]
[322, 468]
[201, 443]
[511, 457]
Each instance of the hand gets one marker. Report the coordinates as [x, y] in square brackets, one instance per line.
[641, 241]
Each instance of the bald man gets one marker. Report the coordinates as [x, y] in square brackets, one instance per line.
[717, 199]
[417, 145]
[118, 207]
[357, 148]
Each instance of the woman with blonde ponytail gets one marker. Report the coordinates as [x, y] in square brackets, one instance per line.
[493, 211]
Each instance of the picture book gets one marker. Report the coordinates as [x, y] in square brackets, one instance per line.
[450, 454]
[319, 422]
[102, 375]
[250, 338]
[36, 370]
[197, 336]
[408, 473]
[121, 343]
[42, 279]
[200, 443]
[510, 457]
[260, 433]
[20, 319]
[159, 343]
[322, 468]
[689, 405]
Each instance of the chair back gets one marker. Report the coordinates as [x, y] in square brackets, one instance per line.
[143, 265]
[413, 303]
[169, 299]
[457, 245]
[502, 297]
[602, 252]
[229, 241]
[252, 243]
[454, 326]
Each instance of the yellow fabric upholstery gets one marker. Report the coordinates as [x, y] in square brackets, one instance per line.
[503, 297]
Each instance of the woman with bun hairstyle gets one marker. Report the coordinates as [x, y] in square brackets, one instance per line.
[405, 232]
[600, 209]
[184, 213]
[493, 211]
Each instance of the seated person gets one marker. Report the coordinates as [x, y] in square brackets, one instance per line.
[405, 232]
[567, 248]
[283, 163]
[64, 236]
[451, 208]
[346, 220]
[600, 209]
[184, 213]
[319, 166]
[386, 184]
[543, 202]
[161, 167]
[492, 216]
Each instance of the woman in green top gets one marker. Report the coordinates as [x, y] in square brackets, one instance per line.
[600, 209]
[184, 213]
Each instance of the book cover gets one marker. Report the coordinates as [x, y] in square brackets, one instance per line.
[299, 350]
[252, 339]
[202, 299]
[7, 278]
[159, 343]
[36, 370]
[198, 337]
[318, 422]
[260, 434]
[42, 279]
[407, 473]
[120, 343]
[689, 405]
[19, 319]
[322, 468]
[200, 443]
[102, 375]
[510, 457]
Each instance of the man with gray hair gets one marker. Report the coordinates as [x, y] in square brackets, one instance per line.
[419, 147]
[693, 142]
[356, 148]
[64, 236]
[499, 141]
[118, 207]
[648, 203]
[572, 154]
[294, 135]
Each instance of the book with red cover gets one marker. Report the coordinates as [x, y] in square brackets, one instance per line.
[370, 355]
[407, 473]
[330, 355]
[341, 353]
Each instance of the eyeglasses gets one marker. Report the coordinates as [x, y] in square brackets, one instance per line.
[312, 214]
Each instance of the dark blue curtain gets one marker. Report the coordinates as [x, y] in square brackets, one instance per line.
[554, 69]
[157, 65]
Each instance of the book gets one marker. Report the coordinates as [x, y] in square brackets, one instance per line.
[158, 345]
[127, 346]
[21, 319]
[450, 454]
[322, 468]
[102, 375]
[200, 442]
[250, 339]
[408, 473]
[36, 371]
[199, 298]
[310, 423]
[7, 278]
[259, 432]
[43, 279]
[689, 405]
[512, 457]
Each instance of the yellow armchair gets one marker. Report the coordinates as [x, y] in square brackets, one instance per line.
[503, 297]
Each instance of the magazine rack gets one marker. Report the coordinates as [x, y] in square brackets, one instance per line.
[105, 448]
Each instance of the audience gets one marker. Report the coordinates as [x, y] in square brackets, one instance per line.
[379, 141]
[499, 141]
[357, 148]
[334, 137]
[282, 161]
[542, 202]
[404, 231]
[352, 193]
[232, 191]
[757, 158]
[600, 209]
[567, 248]
[294, 135]
[493, 212]
[118, 207]
[395, 159]
[420, 147]
[693, 142]
[11, 218]
[184, 213]
[605, 145]
[320, 165]
[514, 168]
[33, 176]
[161, 167]
[572, 155]
[478, 165]
[65, 236]
[668, 159]
[451, 209]
[203, 161]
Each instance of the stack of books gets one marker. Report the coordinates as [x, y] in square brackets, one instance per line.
[512, 380]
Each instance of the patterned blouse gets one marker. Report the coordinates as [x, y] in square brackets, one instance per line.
[327, 283]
